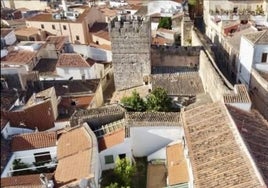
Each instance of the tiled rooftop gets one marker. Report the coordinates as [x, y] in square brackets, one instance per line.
[218, 156]
[40, 97]
[240, 95]
[8, 99]
[101, 111]
[260, 37]
[154, 118]
[47, 17]
[33, 141]
[112, 139]
[176, 164]
[46, 66]
[24, 181]
[254, 129]
[188, 83]
[63, 87]
[19, 57]
[71, 60]
[26, 31]
[58, 41]
[104, 34]
[74, 154]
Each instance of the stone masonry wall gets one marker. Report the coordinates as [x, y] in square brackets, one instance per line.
[259, 93]
[130, 38]
[212, 82]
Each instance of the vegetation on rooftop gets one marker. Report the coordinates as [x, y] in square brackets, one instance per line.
[126, 175]
[165, 22]
[157, 100]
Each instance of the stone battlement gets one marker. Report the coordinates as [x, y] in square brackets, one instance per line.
[128, 23]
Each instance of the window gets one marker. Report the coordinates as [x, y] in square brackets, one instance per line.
[77, 37]
[64, 27]
[109, 159]
[42, 157]
[42, 26]
[264, 57]
[53, 27]
[122, 156]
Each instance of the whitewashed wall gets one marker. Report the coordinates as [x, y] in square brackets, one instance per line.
[245, 61]
[10, 38]
[123, 148]
[8, 131]
[160, 154]
[93, 53]
[146, 140]
[65, 73]
[27, 157]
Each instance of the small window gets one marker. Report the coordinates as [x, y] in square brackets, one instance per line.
[42, 157]
[264, 57]
[42, 26]
[77, 37]
[53, 27]
[64, 27]
[109, 159]
[122, 156]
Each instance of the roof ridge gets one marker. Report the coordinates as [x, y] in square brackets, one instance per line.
[261, 34]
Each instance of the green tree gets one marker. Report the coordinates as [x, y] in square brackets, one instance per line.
[112, 185]
[158, 100]
[134, 102]
[165, 22]
[124, 171]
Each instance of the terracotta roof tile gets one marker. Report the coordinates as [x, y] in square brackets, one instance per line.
[103, 34]
[47, 17]
[217, 153]
[71, 60]
[153, 118]
[58, 41]
[254, 129]
[240, 95]
[23, 180]
[112, 139]
[260, 37]
[33, 141]
[188, 83]
[75, 152]
[176, 164]
[19, 57]
[26, 31]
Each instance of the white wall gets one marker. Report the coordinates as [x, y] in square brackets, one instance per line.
[9, 131]
[245, 59]
[146, 140]
[93, 53]
[123, 148]
[242, 106]
[66, 72]
[10, 38]
[160, 154]
[30, 4]
[27, 157]
[167, 8]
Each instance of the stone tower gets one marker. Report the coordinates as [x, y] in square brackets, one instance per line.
[130, 38]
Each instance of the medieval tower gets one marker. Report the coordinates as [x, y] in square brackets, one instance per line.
[130, 38]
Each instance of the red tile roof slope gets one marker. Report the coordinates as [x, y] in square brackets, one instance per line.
[19, 57]
[217, 153]
[23, 180]
[254, 129]
[110, 140]
[71, 60]
[57, 40]
[33, 141]
[74, 153]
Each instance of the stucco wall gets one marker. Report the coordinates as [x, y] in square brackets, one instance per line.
[212, 82]
[123, 148]
[66, 72]
[258, 91]
[146, 140]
